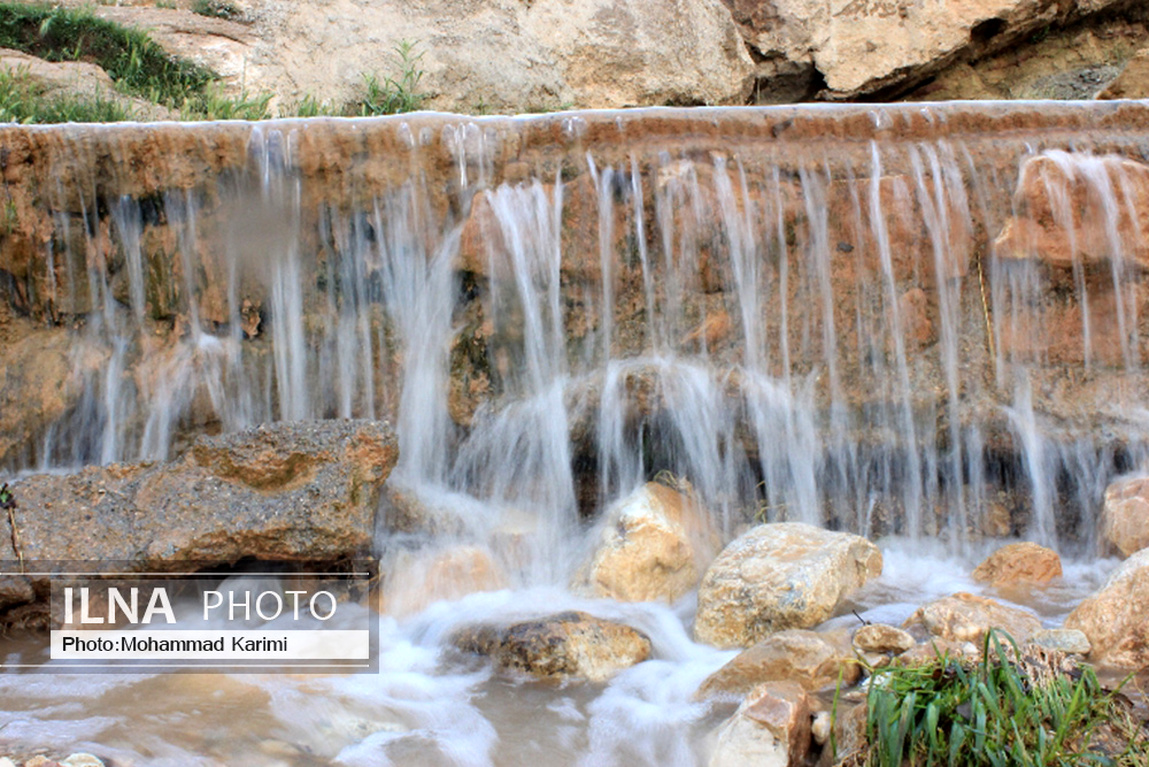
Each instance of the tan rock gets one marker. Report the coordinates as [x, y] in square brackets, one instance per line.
[799, 656]
[1125, 515]
[1133, 82]
[880, 638]
[1017, 564]
[1062, 640]
[652, 546]
[936, 648]
[780, 576]
[966, 618]
[416, 580]
[1116, 618]
[570, 646]
[771, 727]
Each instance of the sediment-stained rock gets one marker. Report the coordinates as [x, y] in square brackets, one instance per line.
[1019, 564]
[780, 576]
[1125, 515]
[1116, 618]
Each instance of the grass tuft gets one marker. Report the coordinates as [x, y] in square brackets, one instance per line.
[998, 713]
[23, 101]
[395, 95]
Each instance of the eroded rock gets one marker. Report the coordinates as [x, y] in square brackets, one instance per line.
[965, 617]
[1116, 618]
[569, 646]
[653, 546]
[798, 656]
[1125, 515]
[770, 728]
[1019, 564]
[780, 576]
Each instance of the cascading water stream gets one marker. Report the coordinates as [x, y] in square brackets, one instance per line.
[916, 322]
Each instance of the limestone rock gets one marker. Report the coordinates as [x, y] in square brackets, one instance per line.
[771, 727]
[802, 657]
[966, 618]
[1062, 640]
[501, 55]
[780, 576]
[416, 580]
[569, 646]
[936, 648]
[652, 546]
[880, 638]
[1133, 82]
[1125, 515]
[1019, 563]
[1116, 618]
[303, 491]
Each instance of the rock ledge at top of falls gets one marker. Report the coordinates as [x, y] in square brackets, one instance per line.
[780, 576]
[568, 646]
[303, 491]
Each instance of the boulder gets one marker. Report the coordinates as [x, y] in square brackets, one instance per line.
[303, 491]
[1019, 564]
[1133, 82]
[1125, 515]
[967, 618]
[569, 646]
[1116, 618]
[797, 656]
[770, 728]
[414, 581]
[937, 648]
[880, 638]
[652, 546]
[780, 576]
[1062, 640]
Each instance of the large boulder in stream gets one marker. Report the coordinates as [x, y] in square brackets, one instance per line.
[797, 656]
[304, 491]
[780, 576]
[771, 728]
[568, 646]
[1125, 515]
[652, 546]
[1116, 618]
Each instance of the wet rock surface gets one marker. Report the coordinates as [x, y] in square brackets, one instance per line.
[1125, 515]
[780, 576]
[304, 492]
[796, 656]
[569, 646]
[1116, 618]
[771, 727]
[1019, 564]
[967, 618]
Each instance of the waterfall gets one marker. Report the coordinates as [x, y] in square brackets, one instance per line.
[883, 319]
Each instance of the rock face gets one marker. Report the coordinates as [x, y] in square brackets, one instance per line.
[1125, 515]
[303, 491]
[966, 618]
[770, 729]
[653, 546]
[797, 656]
[1116, 618]
[1018, 564]
[1133, 82]
[780, 576]
[570, 646]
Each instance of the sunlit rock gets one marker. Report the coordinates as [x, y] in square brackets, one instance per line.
[1125, 515]
[780, 576]
[1133, 82]
[1019, 564]
[880, 638]
[1063, 640]
[653, 545]
[771, 727]
[967, 618]
[570, 646]
[1116, 618]
[798, 656]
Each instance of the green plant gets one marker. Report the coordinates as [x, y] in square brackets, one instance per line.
[399, 94]
[310, 106]
[132, 59]
[220, 9]
[998, 713]
[212, 104]
[23, 101]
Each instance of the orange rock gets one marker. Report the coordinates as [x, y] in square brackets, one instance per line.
[1019, 563]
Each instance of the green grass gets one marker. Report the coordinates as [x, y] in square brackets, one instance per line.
[22, 101]
[395, 95]
[220, 9]
[996, 714]
[133, 60]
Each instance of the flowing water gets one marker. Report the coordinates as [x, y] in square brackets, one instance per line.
[807, 313]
